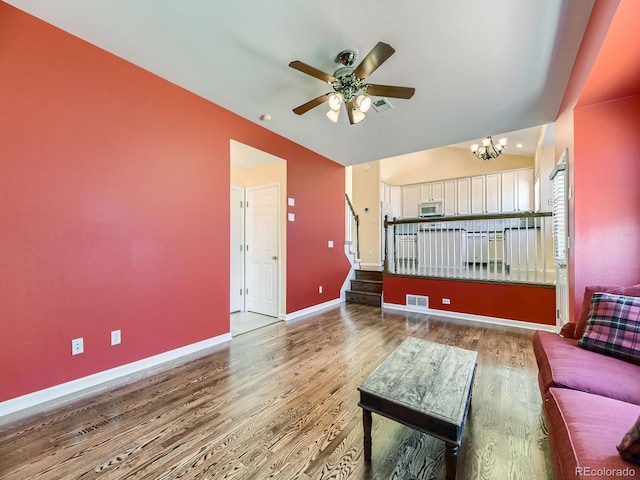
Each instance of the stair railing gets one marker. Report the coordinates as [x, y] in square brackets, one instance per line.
[353, 220]
[501, 247]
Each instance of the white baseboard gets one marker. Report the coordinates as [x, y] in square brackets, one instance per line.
[36, 402]
[474, 318]
[314, 309]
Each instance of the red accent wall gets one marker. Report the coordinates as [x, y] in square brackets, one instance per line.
[607, 195]
[526, 303]
[114, 210]
[602, 135]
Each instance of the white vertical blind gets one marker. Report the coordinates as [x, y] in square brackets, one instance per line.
[559, 215]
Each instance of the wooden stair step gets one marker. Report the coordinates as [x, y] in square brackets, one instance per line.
[364, 298]
[374, 286]
[368, 275]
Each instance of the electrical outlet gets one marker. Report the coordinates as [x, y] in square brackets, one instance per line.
[115, 337]
[77, 346]
[446, 301]
[330, 243]
[320, 289]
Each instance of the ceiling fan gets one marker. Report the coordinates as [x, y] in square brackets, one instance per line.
[349, 86]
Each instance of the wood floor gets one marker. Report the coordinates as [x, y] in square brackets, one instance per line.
[281, 402]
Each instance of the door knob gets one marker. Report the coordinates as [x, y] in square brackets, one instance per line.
[274, 258]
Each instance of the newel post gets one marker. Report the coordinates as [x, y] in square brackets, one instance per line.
[385, 264]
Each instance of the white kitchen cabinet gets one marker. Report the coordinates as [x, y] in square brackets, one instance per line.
[450, 197]
[477, 247]
[496, 246]
[492, 193]
[509, 191]
[431, 191]
[517, 190]
[525, 189]
[410, 200]
[395, 199]
[478, 194]
[464, 196]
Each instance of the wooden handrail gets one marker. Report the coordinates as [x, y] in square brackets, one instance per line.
[457, 218]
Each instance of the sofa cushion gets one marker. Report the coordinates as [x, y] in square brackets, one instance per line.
[629, 448]
[584, 431]
[632, 291]
[568, 330]
[613, 327]
[561, 363]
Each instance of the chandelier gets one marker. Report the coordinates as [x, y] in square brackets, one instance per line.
[489, 150]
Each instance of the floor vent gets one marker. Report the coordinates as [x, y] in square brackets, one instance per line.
[418, 301]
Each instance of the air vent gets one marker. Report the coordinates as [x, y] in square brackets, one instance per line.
[418, 301]
[382, 105]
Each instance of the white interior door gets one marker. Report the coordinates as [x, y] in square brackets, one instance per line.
[236, 254]
[560, 239]
[262, 225]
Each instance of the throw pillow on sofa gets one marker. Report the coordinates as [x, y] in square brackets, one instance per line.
[613, 327]
[629, 448]
[632, 291]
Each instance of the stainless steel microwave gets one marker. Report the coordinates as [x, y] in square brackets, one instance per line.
[431, 209]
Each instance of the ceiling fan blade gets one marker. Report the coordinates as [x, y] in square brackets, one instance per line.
[350, 105]
[376, 57]
[305, 107]
[314, 72]
[390, 91]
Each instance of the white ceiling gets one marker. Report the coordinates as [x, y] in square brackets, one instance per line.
[479, 68]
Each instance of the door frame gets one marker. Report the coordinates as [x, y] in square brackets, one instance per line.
[237, 221]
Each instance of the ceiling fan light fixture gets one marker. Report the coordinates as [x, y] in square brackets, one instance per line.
[333, 115]
[349, 85]
[335, 100]
[364, 103]
[358, 116]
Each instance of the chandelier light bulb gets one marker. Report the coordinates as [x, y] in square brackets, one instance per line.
[474, 147]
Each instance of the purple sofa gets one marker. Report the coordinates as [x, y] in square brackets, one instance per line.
[590, 399]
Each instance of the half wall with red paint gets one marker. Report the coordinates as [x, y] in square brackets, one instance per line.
[114, 188]
[526, 303]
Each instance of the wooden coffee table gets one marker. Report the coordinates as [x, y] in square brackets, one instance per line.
[426, 386]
